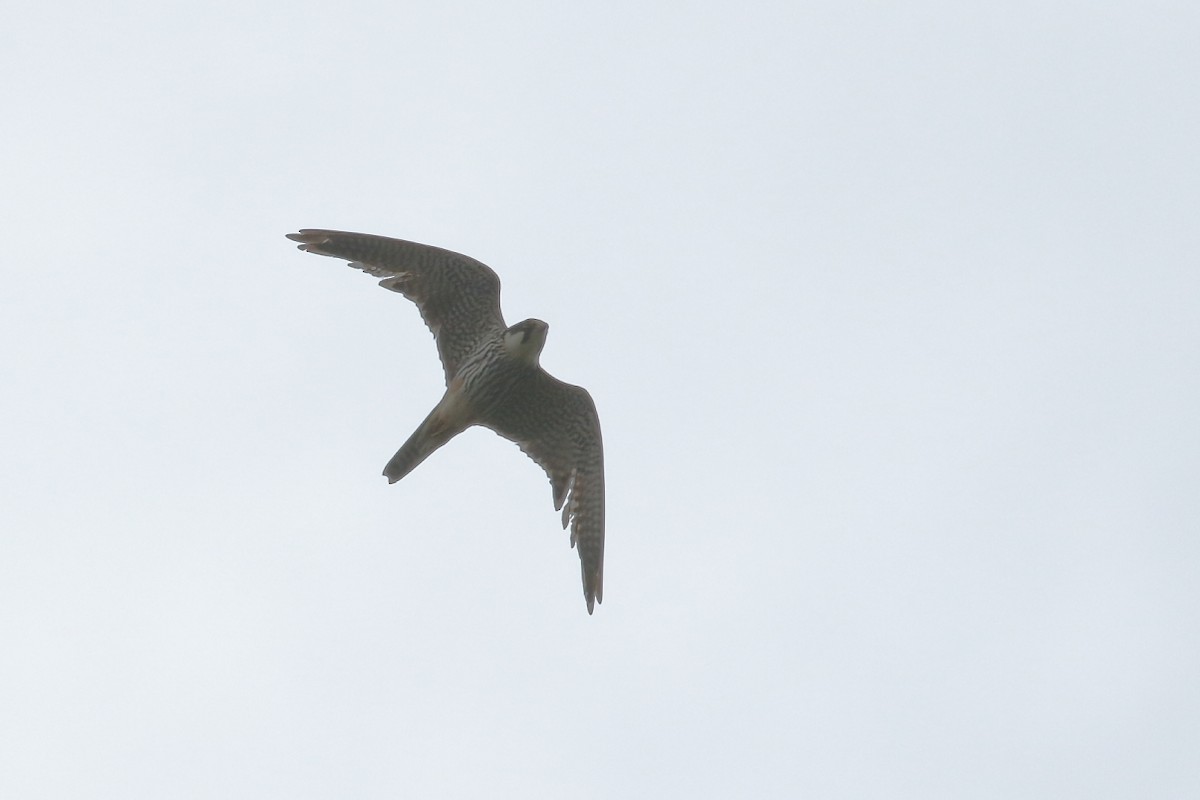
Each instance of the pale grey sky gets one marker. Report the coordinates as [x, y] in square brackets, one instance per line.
[890, 312]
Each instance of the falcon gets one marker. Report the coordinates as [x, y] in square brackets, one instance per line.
[493, 379]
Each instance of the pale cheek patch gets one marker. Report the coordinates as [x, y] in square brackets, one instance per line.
[513, 344]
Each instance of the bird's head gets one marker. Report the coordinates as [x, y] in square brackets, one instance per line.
[524, 341]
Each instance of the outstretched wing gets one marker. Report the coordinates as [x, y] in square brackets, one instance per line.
[556, 425]
[458, 297]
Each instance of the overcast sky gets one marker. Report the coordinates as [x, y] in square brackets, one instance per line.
[891, 312]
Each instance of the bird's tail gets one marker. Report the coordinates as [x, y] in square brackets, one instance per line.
[434, 432]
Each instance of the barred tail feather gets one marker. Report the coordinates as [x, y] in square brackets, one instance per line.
[428, 437]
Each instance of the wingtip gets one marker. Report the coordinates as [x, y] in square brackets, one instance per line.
[592, 601]
[593, 593]
[305, 240]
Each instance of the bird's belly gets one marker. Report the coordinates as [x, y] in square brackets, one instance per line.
[456, 409]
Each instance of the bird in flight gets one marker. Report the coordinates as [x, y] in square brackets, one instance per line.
[493, 379]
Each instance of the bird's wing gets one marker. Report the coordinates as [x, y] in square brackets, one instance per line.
[556, 425]
[458, 297]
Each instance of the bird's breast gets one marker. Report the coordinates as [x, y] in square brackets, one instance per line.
[484, 379]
